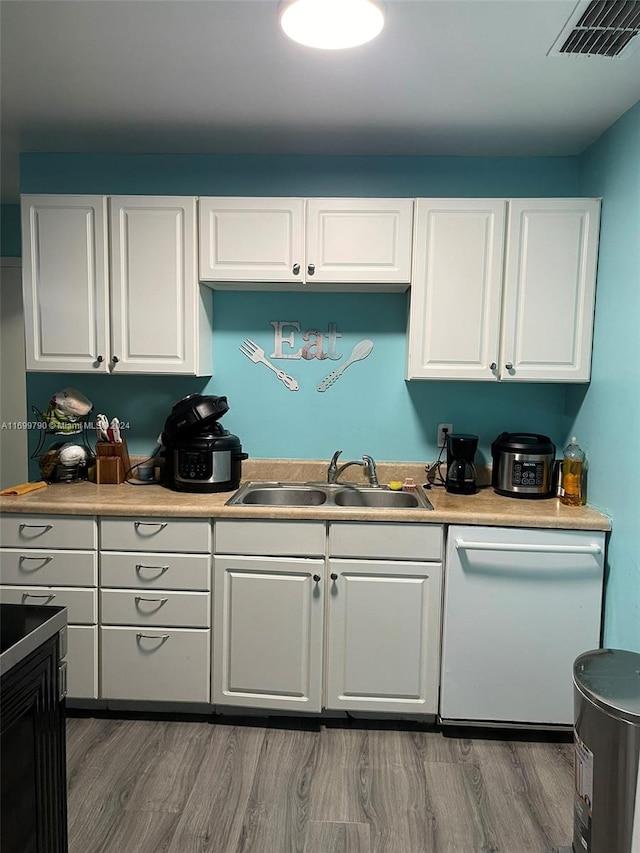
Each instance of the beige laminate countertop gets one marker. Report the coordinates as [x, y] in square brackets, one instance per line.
[484, 508]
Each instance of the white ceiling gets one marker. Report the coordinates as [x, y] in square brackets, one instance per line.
[457, 77]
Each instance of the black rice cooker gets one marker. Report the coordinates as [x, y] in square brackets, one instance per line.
[523, 465]
[201, 456]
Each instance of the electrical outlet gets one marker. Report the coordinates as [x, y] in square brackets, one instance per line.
[443, 430]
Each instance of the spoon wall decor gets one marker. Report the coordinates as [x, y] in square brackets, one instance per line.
[361, 350]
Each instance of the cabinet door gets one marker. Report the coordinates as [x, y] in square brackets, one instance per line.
[251, 239]
[267, 649]
[454, 319]
[154, 285]
[549, 289]
[65, 284]
[359, 240]
[383, 648]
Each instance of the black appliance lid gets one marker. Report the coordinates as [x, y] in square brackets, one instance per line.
[522, 442]
[193, 414]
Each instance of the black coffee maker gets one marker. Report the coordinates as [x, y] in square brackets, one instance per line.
[461, 472]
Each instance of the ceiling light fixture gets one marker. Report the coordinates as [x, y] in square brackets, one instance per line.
[331, 24]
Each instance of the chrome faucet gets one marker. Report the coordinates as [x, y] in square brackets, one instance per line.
[370, 470]
[333, 471]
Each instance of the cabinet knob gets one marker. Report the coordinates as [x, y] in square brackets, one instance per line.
[115, 359]
[311, 269]
[296, 269]
[509, 365]
[317, 578]
[493, 365]
[100, 359]
[334, 576]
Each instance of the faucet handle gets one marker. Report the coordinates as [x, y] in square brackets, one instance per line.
[333, 467]
[370, 468]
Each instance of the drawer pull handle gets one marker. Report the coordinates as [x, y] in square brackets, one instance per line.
[159, 524]
[158, 601]
[160, 569]
[43, 527]
[162, 637]
[41, 560]
[49, 597]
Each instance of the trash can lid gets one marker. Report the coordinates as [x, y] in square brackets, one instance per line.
[611, 679]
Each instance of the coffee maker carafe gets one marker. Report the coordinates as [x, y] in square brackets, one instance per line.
[461, 472]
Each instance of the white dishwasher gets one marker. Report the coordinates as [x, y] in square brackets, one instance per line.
[520, 605]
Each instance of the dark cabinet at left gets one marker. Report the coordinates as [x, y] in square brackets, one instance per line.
[33, 815]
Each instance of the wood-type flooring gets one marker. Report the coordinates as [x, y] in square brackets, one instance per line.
[302, 786]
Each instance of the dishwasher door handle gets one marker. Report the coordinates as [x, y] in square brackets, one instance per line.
[463, 545]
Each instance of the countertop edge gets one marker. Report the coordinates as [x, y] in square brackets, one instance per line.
[483, 508]
[26, 645]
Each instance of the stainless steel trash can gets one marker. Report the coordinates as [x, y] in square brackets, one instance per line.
[606, 695]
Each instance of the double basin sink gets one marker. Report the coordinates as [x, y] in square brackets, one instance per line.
[328, 496]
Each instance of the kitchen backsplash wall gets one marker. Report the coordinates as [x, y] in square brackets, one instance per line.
[370, 409]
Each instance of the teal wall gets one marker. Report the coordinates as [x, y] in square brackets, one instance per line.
[371, 409]
[10, 231]
[608, 419]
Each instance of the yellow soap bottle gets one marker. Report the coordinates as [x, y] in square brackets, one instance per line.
[574, 475]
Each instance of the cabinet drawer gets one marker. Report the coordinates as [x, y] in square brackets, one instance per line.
[153, 570]
[82, 662]
[171, 665]
[81, 604]
[270, 538]
[48, 568]
[48, 531]
[157, 607]
[386, 541]
[155, 534]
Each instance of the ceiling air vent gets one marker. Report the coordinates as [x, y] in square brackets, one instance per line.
[600, 28]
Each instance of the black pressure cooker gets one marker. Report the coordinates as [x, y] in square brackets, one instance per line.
[201, 456]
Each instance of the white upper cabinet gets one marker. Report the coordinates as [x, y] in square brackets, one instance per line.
[65, 282]
[155, 295]
[454, 324]
[333, 244]
[359, 240]
[251, 239]
[503, 289]
[549, 289]
[142, 313]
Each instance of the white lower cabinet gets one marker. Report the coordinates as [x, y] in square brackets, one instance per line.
[155, 664]
[52, 560]
[358, 631]
[383, 637]
[268, 632]
[155, 610]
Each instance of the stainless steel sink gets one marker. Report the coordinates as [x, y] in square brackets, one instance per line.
[281, 495]
[380, 497]
[328, 496]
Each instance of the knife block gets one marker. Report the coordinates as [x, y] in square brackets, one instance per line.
[112, 462]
